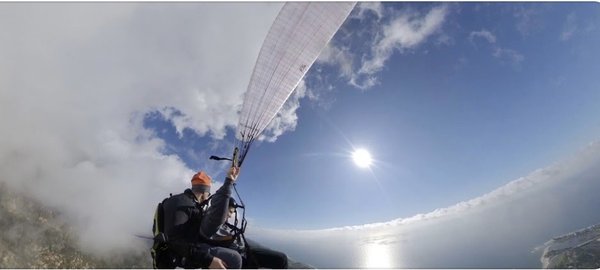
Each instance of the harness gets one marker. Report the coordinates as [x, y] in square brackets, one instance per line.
[163, 257]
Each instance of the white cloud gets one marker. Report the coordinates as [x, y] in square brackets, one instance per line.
[569, 27]
[487, 35]
[340, 56]
[444, 39]
[286, 118]
[527, 18]
[76, 80]
[343, 59]
[364, 8]
[511, 56]
[383, 37]
[497, 230]
[404, 32]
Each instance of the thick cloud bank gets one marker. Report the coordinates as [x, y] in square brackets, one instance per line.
[77, 79]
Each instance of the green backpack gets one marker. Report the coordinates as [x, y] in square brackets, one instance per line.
[161, 257]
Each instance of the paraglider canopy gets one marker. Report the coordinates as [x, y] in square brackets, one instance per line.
[295, 40]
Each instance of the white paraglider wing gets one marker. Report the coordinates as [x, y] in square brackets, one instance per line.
[295, 40]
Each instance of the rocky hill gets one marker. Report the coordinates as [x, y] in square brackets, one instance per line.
[34, 236]
[580, 249]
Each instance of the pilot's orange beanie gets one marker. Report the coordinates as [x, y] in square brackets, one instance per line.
[201, 182]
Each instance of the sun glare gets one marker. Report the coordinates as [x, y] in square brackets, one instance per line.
[362, 158]
[377, 256]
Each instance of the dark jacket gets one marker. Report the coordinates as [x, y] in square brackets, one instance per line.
[216, 214]
[182, 215]
[186, 224]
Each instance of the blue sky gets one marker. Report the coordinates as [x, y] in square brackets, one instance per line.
[496, 91]
[478, 115]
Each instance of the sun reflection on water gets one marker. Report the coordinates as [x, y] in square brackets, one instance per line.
[377, 256]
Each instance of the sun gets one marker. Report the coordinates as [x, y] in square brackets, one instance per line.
[362, 158]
